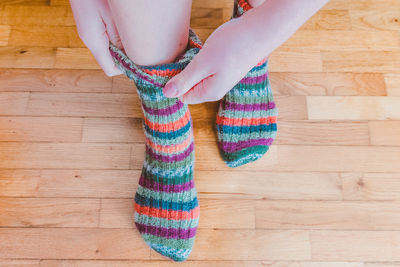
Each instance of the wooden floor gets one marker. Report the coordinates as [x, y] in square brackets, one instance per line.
[327, 194]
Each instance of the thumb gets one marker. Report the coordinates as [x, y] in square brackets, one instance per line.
[195, 71]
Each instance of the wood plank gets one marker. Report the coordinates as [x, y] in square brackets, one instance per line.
[209, 184]
[4, 34]
[76, 243]
[25, 2]
[20, 263]
[353, 108]
[49, 212]
[295, 61]
[45, 36]
[23, 15]
[64, 155]
[59, 2]
[215, 213]
[371, 186]
[13, 103]
[322, 133]
[113, 130]
[206, 17]
[40, 129]
[27, 57]
[381, 264]
[392, 81]
[336, 19]
[69, 183]
[40, 80]
[291, 107]
[197, 263]
[337, 4]
[343, 40]
[319, 84]
[385, 133]
[268, 185]
[75, 58]
[84, 104]
[122, 84]
[355, 245]
[314, 158]
[329, 215]
[374, 15]
[361, 61]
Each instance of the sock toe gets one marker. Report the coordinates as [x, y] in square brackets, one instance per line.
[172, 253]
[245, 156]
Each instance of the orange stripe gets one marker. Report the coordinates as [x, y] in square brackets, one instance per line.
[192, 43]
[171, 126]
[246, 121]
[167, 214]
[261, 62]
[163, 72]
[245, 5]
[167, 149]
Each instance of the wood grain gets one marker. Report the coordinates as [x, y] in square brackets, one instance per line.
[326, 194]
[4, 34]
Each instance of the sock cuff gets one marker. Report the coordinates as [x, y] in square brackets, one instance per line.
[159, 74]
[241, 7]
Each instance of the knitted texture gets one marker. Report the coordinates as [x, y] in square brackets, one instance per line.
[166, 206]
[246, 120]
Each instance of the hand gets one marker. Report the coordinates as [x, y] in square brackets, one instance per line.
[96, 28]
[226, 57]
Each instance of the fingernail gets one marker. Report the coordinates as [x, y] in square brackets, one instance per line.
[170, 90]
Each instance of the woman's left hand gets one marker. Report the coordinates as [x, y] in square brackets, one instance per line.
[225, 58]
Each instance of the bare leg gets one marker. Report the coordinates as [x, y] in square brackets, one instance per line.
[152, 31]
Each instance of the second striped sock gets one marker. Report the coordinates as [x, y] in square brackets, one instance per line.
[246, 120]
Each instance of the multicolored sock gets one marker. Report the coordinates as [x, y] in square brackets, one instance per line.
[166, 209]
[246, 120]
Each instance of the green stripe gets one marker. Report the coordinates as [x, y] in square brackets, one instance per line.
[185, 196]
[229, 137]
[248, 114]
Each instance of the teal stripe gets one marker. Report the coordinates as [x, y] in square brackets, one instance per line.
[169, 242]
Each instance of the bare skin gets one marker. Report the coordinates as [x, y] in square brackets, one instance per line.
[156, 32]
[152, 32]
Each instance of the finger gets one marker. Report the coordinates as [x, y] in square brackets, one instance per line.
[210, 89]
[100, 51]
[195, 71]
[110, 26]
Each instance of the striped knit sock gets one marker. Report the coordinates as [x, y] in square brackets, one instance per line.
[246, 120]
[166, 209]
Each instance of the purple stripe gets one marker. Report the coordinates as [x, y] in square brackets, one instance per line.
[253, 80]
[175, 233]
[170, 188]
[163, 111]
[172, 158]
[248, 107]
[127, 66]
[235, 146]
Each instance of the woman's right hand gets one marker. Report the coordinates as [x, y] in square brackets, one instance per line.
[96, 28]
